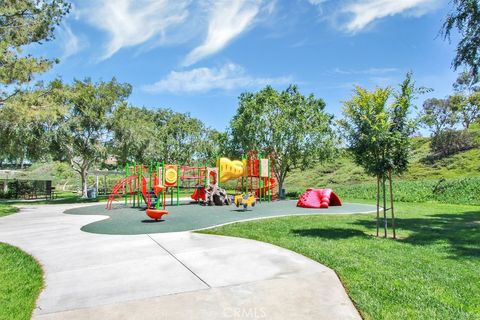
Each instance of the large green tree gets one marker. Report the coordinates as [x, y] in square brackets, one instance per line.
[23, 116]
[293, 127]
[83, 132]
[27, 122]
[24, 22]
[134, 134]
[377, 127]
[465, 18]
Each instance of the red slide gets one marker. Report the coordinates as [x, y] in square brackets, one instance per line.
[119, 190]
[198, 191]
[318, 198]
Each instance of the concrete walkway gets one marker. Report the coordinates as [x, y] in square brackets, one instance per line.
[168, 276]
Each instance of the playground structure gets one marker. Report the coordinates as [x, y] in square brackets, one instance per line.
[151, 184]
[318, 198]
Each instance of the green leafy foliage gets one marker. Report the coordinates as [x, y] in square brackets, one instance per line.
[342, 172]
[439, 115]
[459, 191]
[378, 132]
[294, 127]
[466, 100]
[82, 133]
[465, 18]
[145, 135]
[26, 123]
[24, 22]
[450, 142]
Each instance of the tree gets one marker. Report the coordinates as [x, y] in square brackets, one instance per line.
[474, 100]
[293, 127]
[82, 135]
[23, 22]
[145, 135]
[26, 122]
[465, 18]
[134, 134]
[465, 101]
[377, 133]
[438, 115]
[180, 137]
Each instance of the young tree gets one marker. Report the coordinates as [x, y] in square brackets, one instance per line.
[294, 127]
[465, 18]
[438, 115]
[23, 22]
[82, 135]
[378, 134]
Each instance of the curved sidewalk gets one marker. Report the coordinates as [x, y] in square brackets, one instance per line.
[168, 276]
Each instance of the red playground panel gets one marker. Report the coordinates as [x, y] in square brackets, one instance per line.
[318, 198]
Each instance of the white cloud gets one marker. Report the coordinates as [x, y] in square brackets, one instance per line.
[133, 22]
[70, 42]
[151, 23]
[356, 15]
[228, 77]
[366, 11]
[227, 20]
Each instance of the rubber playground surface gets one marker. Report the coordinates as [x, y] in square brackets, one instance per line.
[126, 220]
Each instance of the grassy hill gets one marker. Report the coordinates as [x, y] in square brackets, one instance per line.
[454, 179]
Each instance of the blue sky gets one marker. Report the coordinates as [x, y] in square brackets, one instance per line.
[198, 56]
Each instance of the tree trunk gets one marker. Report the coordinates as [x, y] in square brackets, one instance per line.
[391, 204]
[378, 204]
[280, 187]
[84, 175]
[385, 225]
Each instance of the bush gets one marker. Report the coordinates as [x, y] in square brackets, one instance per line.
[292, 194]
[10, 194]
[450, 142]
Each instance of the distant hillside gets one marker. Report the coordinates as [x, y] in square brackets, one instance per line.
[343, 171]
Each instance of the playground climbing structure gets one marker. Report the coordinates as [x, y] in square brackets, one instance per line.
[152, 184]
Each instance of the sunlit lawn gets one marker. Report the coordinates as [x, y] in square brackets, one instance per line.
[431, 272]
[20, 283]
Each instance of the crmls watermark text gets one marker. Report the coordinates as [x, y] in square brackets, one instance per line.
[245, 313]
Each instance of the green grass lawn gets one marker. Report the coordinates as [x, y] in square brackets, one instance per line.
[6, 209]
[21, 280]
[431, 272]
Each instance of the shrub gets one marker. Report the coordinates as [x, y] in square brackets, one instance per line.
[292, 194]
[450, 142]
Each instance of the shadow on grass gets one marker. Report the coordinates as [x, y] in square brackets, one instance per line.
[459, 231]
[329, 233]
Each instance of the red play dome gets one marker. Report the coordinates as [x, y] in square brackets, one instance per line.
[318, 198]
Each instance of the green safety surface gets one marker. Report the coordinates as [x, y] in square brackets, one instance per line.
[127, 220]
